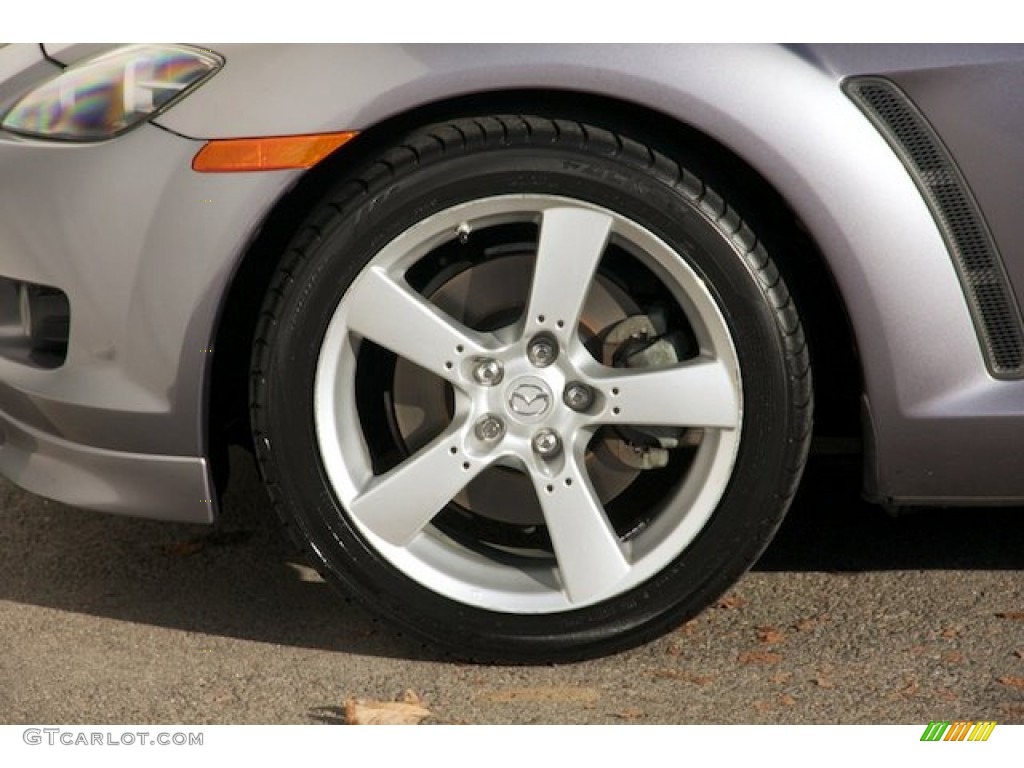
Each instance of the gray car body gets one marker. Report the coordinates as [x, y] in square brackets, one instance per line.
[146, 249]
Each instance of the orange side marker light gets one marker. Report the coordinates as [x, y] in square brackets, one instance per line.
[272, 153]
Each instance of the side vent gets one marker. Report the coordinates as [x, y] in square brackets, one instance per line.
[997, 318]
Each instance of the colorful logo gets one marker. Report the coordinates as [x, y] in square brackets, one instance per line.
[958, 730]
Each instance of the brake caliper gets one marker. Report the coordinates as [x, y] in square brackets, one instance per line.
[644, 341]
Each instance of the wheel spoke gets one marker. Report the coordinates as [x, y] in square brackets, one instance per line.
[401, 321]
[590, 559]
[697, 393]
[572, 241]
[398, 504]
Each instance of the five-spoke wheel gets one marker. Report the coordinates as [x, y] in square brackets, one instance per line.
[533, 395]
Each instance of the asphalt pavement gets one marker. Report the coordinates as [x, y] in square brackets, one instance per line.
[850, 617]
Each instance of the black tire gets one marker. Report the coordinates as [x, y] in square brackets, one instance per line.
[464, 162]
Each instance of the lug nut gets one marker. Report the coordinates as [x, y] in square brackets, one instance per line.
[542, 351]
[547, 444]
[578, 396]
[489, 429]
[488, 371]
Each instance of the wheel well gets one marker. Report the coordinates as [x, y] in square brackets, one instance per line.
[833, 352]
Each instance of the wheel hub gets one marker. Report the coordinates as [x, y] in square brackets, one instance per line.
[489, 295]
[529, 399]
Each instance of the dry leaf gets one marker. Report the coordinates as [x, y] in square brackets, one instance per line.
[950, 633]
[669, 674]
[762, 706]
[678, 674]
[946, 694]
[408, 711]
[769, 635]
[1015, 615]
[786, 700]
[823, 682]
[759, 657]
[917, 650]
[780, 678]
[543, 694]
[953, 657]
[731, 602]
[1013, 682]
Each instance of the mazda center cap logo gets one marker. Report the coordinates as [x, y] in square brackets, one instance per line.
[529, 399]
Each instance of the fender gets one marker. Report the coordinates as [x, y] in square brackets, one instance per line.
[931, 402]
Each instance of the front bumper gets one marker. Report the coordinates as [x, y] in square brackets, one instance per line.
[144, 249]
[162, 487]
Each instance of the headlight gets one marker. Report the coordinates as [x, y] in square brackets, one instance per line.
[107, 95]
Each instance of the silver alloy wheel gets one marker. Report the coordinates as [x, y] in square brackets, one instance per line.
[394, 510]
